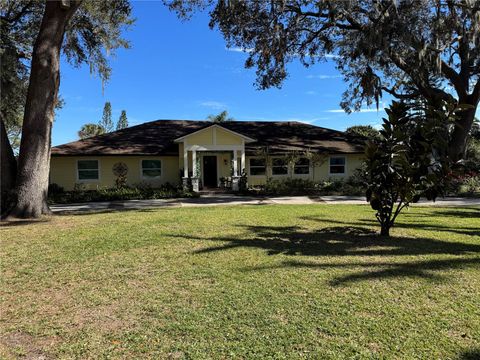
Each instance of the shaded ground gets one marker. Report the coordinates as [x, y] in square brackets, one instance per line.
[229, 199]
[242, 282]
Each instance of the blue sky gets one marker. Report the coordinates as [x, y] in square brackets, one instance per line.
[183, 70]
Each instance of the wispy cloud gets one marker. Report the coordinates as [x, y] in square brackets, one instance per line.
[323, 77]
[216, 105]
[239, 49]
[365, 110]
[311, 92]
[248, 50]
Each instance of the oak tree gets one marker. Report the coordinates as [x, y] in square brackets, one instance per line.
[86, 31]
[427, 49]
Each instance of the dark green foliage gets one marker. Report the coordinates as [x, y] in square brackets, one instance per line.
[408, 49]
[94, 32]
[89, 130]
[221, 117]
[408, 162]
[366, 132]
[140, 192]
[122, 121]
[292, 186]
[106, 122]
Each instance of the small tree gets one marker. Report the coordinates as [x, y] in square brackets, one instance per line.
[364, 131]
[316, 159]
[220, 118]
[106, 121]
[408, 162]
[122, 121]
[89, 130]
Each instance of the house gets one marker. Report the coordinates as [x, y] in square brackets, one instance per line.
[206, 154]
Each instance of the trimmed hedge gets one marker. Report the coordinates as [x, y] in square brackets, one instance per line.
[56, 195]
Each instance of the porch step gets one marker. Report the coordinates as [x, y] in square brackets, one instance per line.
[213, 191]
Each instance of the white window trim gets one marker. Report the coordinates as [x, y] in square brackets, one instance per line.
[344, 166]
[149, 177]
[249, 167]
[88, 180]
[286, 166]
[303, 166]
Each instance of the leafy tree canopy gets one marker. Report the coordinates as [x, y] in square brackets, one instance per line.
[106, 121]
[93, 34]
[221, 117]
[122, 121]
[364, 131]
[409, 49]
[89, 130]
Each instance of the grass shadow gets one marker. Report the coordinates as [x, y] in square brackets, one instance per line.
[341, 241]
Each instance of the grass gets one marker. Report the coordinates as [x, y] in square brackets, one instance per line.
[263, 282]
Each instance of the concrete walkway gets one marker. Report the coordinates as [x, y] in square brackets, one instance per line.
[228, 199]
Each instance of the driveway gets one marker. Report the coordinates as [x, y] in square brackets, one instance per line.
[227, 199]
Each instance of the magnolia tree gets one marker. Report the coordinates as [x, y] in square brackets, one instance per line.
[408, 161]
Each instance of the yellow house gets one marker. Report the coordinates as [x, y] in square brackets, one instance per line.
[202, 154]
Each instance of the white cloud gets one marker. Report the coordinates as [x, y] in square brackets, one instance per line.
[365, 110]
[311, 92]
[248, 50]
[332, 56]
[323, 77]
[239, 49]
[216, 105]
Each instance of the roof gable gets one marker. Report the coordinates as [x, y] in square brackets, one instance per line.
[210, 134]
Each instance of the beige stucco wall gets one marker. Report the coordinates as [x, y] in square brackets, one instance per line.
[317, 173]
[63, 171]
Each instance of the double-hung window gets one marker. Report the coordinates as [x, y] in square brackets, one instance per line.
[87, 170]
[279, 166]
[151, 169]
[302, 167]
[257, 166]
[337, 165]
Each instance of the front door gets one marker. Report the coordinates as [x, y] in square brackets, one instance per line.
[210, 171]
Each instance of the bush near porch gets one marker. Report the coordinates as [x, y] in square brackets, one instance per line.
[250, 282]
[57, 195]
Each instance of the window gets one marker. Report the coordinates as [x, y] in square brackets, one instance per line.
[257, 166]
[279, 166]
[302, 166]
[87, 170]
[337, 165]
[151, 169]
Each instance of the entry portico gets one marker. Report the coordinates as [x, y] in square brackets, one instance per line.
[214, 144]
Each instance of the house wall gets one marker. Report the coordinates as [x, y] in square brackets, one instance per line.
[63, 171]
[317, 173]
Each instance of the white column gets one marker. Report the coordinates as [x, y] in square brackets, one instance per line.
[242, 161]
[185, 161]
[194, 163]
[235, 166]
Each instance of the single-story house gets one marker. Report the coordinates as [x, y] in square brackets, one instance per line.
[206, 154]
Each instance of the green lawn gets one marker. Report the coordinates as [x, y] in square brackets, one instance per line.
[263, 282]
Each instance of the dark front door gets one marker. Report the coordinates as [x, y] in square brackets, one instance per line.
[210, 171]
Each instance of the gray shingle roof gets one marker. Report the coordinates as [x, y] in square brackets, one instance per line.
[157, 138]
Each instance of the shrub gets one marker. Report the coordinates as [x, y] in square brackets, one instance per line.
[140, 192]
[350, 186]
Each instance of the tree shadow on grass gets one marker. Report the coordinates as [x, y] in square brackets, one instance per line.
[470, 231]
[341, 241]
[472, 354]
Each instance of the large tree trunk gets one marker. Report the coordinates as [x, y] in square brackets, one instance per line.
[34, 160]
[458, 141]
[8, 169]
